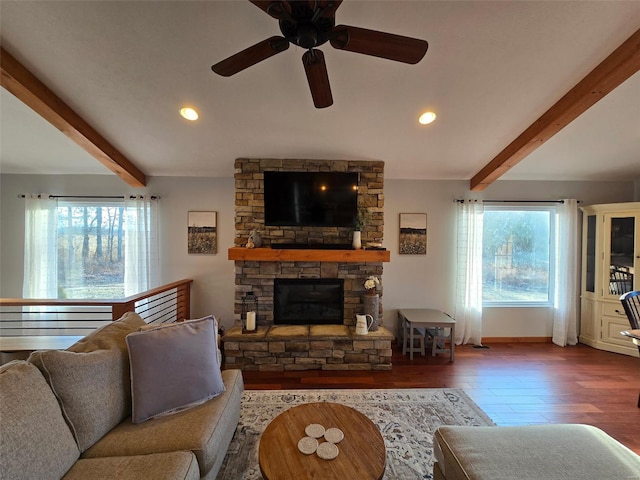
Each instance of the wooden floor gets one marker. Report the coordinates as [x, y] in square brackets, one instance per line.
[515, 384]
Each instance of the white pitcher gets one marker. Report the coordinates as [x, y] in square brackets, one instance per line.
[363, 324]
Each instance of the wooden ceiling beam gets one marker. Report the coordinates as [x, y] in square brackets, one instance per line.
[32, 92]
[614, 70]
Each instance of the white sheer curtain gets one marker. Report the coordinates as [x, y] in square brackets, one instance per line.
[469, 273]
[565, 312]
[141, 249]
[40, 247]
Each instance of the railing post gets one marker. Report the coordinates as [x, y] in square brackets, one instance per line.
[119, 309]
[184, 302]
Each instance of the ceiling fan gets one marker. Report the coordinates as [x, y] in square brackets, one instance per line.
[309, 24]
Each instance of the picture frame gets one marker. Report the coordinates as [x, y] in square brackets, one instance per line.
[202, 233]
[413, 234]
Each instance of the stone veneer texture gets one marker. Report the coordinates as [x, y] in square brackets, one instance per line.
[249, 215]
[319, 347]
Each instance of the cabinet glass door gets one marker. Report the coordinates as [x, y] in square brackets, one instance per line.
[620, 251]
[590, 255]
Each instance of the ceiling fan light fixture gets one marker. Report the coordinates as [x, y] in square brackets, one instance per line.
[426, 118]
[307, 36]
[189, 113]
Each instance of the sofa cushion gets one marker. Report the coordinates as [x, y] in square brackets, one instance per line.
[91, 379]
[110, 336]
[552, 452]
[159, 466]
[173, 367]
[206, 430]
[35, 441]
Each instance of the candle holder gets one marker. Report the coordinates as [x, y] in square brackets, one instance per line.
[249, 315]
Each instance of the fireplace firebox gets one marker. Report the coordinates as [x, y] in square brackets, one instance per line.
[308, 301]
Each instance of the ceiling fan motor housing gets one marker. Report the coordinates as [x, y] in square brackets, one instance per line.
[306, 27]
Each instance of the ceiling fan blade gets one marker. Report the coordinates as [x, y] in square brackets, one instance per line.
[250, 56]
[276, 8]
[379, 44]
[327, 8]
[316, 70]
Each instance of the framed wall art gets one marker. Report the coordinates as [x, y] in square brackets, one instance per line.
[202, 233]
[413, 234]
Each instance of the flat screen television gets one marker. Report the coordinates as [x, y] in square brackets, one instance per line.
[316, 199]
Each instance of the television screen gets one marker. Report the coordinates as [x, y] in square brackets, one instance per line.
[320, 199]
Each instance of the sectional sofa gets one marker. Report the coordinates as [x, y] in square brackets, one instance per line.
[68, 415]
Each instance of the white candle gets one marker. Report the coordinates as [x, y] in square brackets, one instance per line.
[251, 320]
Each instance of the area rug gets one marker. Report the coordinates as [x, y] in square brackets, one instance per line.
[407, 419]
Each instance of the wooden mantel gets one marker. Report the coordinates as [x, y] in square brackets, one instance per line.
[300, 255]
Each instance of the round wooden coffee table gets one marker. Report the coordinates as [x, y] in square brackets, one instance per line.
[362, 454]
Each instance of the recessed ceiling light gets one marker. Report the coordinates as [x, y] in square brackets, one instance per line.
[426, 118]
[189, 113]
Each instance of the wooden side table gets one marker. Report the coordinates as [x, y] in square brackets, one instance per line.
[362, 451]
[429, 318]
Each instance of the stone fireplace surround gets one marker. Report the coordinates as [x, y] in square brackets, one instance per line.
[305, 347]
[257, 276]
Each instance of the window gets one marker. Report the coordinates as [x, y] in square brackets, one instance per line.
[518, 249]
[89, 248]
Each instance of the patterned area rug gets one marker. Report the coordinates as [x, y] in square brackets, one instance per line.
[407, 419]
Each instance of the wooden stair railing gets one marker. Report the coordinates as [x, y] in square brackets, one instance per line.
[21, 317]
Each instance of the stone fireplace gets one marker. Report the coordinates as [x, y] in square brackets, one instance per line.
[325, 284]
[259, 275]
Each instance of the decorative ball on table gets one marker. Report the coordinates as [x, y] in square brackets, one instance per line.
[371, 300]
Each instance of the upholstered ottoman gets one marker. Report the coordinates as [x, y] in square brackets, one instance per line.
[549, 452]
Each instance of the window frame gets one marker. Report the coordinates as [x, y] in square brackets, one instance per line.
[88, 202]
[553, 219]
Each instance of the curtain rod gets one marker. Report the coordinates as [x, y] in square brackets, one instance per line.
[460, 200]
[112, 197]
[523, 201]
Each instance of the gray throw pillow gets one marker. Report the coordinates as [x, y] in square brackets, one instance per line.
[151, 326]
[173, 367]
[35, 442]
[91, 379]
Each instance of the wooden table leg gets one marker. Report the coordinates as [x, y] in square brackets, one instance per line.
[410, 340]
[452, 340]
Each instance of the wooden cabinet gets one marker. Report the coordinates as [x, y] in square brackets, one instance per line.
[610, 267]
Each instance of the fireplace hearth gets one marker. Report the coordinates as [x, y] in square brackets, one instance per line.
[308, 301]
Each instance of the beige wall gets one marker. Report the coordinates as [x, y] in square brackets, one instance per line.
[428, 281]
[409, 281]
[213, 275]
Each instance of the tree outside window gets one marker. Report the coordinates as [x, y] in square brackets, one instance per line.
[91, 250]
[517, 256]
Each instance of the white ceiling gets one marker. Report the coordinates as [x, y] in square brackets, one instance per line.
[491, 70]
